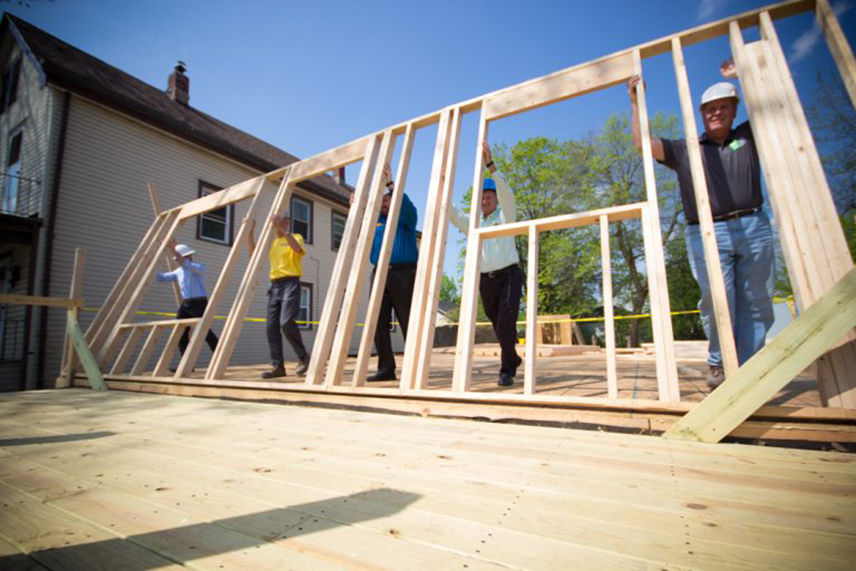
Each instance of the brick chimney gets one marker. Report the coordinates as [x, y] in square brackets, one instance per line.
[179, 85]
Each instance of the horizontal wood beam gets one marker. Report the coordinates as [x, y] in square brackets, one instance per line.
[718, 28]
[575, 81]
[613, 214]
[160, 323]
[326, 161]
[219, 199]
[14, 299]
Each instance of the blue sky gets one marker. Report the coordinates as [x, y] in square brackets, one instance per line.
[308, 76]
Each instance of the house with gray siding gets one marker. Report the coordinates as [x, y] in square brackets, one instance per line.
[80, 141]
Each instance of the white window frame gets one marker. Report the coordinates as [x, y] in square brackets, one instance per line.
[206, 188]
[333, 216]
[305, 312]
[307, 237]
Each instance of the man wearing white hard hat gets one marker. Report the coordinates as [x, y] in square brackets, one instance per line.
[743, 232]
[190, 276]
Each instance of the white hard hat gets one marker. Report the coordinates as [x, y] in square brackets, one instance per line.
[184, 250]
[721, 90]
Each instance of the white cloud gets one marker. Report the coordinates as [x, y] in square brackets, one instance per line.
[804, 45]
[707, 8]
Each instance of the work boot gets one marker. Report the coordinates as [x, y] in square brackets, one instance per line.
[505, 380]
[278, 371]
[303, 366]
[715, 376]
[382, 376]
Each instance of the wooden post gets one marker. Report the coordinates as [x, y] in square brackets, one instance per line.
[357, 275]
[168, 261]
[74, 292]
[414, 342]
[529, 378]
[382, 267]
[839, 46]
[341, 269]
[608, 317]
[470, 287]
[722, 317]
[438, 249]
[658, 289]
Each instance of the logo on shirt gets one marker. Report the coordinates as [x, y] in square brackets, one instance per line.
[736, 144]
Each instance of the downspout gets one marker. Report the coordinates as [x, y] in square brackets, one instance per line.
[28, 311]
[49, 241]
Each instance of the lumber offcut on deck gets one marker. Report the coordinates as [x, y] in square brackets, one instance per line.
[112, 480]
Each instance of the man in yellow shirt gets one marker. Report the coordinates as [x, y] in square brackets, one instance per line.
[286, 255]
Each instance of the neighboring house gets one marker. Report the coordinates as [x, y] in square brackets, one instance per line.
[80, 140]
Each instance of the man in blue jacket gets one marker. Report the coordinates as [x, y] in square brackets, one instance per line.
[398, 290]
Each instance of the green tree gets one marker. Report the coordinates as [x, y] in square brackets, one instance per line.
[449, 290]
[833, 123]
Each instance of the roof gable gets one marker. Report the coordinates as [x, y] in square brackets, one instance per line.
[70, 68]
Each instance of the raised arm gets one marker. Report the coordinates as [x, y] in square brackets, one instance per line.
[503, 193]
[279, 223]
[656, 143]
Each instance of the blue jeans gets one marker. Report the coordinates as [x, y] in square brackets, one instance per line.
[746, 256]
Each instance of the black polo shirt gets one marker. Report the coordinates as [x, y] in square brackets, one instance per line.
[732, 171]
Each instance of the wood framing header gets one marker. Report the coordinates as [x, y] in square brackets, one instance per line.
[561, 85]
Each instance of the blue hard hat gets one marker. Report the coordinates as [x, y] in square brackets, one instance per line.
[489, 184]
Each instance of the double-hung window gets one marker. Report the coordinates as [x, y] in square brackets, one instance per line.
[215, 225]
[304, 316]
[301, 218]
[337, 224]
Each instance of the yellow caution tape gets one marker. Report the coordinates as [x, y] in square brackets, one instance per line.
[789, 300]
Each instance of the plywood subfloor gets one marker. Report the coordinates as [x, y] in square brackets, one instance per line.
[579, 375]
[113, 480]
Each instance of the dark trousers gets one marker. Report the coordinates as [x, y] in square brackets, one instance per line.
[397, 294]
[500, 294]
[194, 307]
[282, 310]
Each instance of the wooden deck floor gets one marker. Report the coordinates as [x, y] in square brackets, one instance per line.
[137, 481]
[578, 375]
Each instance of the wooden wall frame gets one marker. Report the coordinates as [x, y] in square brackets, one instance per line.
[816, 265]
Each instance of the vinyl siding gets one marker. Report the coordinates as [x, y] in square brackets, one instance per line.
[104, 208]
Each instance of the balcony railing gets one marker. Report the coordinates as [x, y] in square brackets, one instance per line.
[19, 195]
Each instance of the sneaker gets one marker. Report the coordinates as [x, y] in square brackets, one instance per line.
[382, 376]
[715, 376]
[278, 371]
[505, 380]
[303, 366]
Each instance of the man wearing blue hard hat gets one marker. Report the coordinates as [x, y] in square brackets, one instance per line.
[743, 232]
[501, 281]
